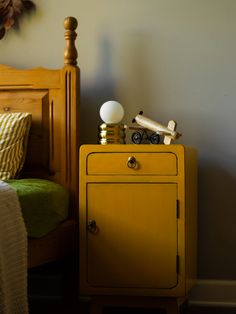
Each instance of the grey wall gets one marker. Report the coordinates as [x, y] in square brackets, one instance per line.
[173, 59]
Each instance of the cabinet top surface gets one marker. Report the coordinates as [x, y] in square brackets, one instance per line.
[175, 148]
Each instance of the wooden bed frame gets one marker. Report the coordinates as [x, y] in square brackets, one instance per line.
[52, 96]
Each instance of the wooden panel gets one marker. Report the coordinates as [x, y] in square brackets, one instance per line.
[146, 164]
[37, 103]
[136, 241]
[53, 245]
[12, 78]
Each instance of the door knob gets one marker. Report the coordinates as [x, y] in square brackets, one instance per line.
[92, 226]
[132, 162]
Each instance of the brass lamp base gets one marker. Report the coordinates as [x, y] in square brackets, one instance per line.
[112, 134]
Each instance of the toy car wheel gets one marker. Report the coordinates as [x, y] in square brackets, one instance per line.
[136, 137]
[155, 138]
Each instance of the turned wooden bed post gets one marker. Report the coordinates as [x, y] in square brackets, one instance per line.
[71, 81]
[70, 54]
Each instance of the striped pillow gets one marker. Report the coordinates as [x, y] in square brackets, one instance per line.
[14, 130]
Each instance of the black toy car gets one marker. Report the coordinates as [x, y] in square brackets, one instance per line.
[143, 135]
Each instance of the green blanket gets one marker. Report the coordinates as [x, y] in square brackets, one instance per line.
[44, 204]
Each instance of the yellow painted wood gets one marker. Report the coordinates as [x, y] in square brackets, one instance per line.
[144, 243]
[136, 244]
[145, 164]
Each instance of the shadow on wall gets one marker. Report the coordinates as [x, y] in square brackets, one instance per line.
[217, 222]
[93, 96]
[136, 69]
[132, 63]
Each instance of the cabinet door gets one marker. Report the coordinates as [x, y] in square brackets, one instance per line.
[135, 244]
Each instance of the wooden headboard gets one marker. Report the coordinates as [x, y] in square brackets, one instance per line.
[52, 96]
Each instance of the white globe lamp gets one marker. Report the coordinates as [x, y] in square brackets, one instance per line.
[111, 112]
[111, 131]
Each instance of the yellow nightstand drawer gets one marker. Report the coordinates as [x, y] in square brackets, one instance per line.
[132, 163]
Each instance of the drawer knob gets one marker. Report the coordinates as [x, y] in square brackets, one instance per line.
[6, 108]
[132, 162]
[92, 226]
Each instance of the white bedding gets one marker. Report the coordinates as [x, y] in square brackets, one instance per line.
[13, 254]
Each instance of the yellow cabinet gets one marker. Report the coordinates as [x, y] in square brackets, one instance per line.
[137, 220]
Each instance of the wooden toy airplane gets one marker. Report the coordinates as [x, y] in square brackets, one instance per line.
[169, 132]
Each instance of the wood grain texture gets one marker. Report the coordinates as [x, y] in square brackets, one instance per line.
[52, 96]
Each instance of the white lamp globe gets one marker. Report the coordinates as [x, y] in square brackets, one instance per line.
[111, 112]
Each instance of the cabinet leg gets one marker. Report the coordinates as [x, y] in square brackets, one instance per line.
[170, 305]
[96, 306]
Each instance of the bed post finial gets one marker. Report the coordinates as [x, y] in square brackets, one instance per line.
[70, 54]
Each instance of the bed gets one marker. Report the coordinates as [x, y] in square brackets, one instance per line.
[51, 97]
